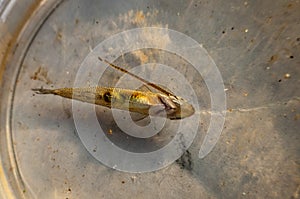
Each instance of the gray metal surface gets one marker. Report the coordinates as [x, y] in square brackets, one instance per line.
[256, 46]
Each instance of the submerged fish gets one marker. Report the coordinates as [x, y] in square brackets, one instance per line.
[162, 103]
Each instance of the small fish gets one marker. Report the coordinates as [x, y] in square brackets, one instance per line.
[162, 103]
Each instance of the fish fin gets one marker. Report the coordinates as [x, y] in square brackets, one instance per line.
[144, 88]
[43, 91]
[137, 77]
[138, 117]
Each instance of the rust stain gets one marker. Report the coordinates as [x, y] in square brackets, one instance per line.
[297, 117]
[59, 36]
[273, 59]
[5, 185]
[142, 56]
[139, 17]
[290, 6]
[41, 74]
[9, 46]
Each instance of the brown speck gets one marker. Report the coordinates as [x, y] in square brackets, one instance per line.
[273, 59]
[290, 5]
[59, 36]
[232, 28]
[291, 57]
[223, 32]
[76, 21]
[269, 19]
[110, 132]
[139, 17]
[279, 80]
[123, 182]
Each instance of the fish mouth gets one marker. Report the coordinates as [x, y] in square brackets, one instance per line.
[185, 110]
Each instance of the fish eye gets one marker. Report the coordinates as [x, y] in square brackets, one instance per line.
[107, 97]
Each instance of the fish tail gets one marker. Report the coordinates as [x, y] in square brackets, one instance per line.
[44, 91]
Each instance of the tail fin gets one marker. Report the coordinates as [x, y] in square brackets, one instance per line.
[43, 91]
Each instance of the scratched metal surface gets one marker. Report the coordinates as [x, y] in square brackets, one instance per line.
[256, 46]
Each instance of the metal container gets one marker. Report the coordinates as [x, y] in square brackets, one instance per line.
[240, 59]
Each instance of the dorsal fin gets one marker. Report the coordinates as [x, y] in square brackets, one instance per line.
[137, 77]
[144, 88]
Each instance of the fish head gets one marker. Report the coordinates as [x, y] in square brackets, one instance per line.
[176, 107]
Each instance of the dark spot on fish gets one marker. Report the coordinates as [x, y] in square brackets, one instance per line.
[134, 95]
[107, 97]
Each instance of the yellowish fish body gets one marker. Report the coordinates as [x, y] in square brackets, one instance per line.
[146, 103]
[162, 103]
